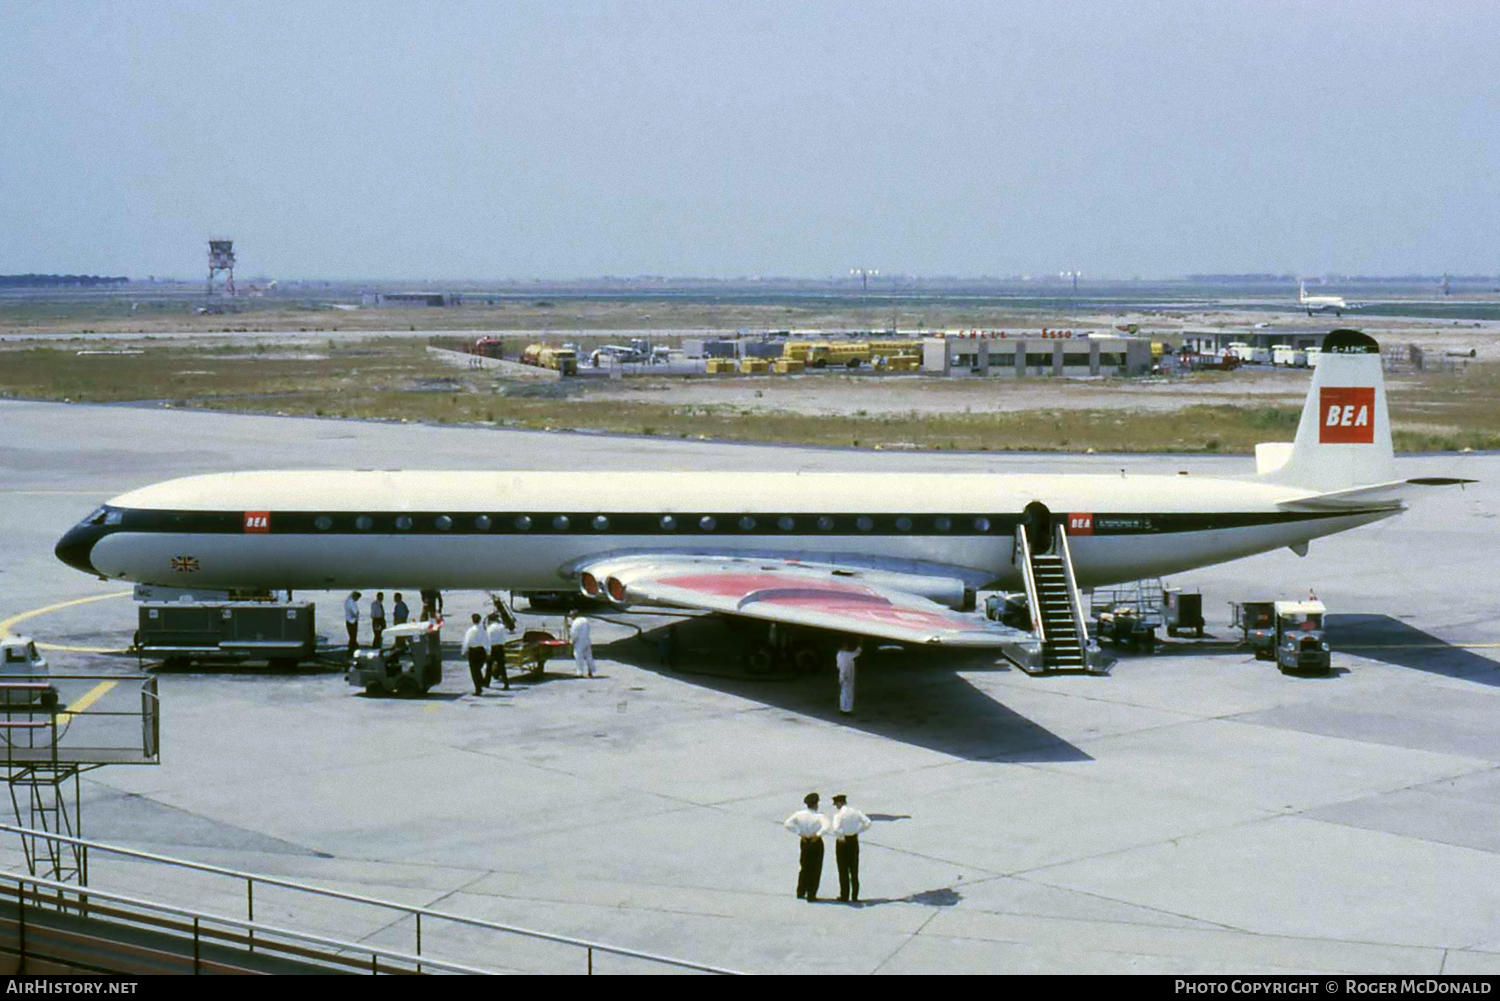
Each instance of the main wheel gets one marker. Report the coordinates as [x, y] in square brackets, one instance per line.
[761, 660]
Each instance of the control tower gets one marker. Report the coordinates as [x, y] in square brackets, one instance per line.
[221, 259]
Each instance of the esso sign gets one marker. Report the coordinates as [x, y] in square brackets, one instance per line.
[1346, 415]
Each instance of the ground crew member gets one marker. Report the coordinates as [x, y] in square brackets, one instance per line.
[377, 616]
[809, 825]
[498, 634]
[476, 649]
[583, 646]
[432, 603]
[351, 620]
[845, 661]
[399, 614]
[848, 824]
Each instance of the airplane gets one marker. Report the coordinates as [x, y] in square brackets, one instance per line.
[1334, 304]
[897, 556]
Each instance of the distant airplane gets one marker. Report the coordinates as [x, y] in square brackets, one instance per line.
[896, 555]
[1334, 304]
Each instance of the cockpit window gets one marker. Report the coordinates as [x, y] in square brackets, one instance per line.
[114, 517]
[97, 518]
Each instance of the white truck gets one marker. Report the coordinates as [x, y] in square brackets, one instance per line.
[23, 673]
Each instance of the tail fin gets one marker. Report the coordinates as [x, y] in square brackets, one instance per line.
[1344, 438]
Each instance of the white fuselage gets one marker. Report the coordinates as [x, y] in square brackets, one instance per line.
[530, 531]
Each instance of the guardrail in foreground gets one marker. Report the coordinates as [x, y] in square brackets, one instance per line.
[417, 913]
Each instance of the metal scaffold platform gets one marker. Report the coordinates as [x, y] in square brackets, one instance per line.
[56, 727]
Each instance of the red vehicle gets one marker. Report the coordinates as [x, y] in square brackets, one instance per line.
[489, 347]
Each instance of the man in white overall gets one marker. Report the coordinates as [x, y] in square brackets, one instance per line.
[583, 646]
[845, 660]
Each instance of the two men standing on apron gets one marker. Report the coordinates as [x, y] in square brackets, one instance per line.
[810, 826]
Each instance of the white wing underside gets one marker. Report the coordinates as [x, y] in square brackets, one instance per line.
[881, 604]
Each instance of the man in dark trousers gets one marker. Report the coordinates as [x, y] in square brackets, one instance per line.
[477, 651]
[848, 824]
[377, 616]
[809, 825]
[351, 620]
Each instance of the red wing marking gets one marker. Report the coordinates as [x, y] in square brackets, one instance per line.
[833, 597]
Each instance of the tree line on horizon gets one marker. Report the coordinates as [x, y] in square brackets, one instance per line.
[60, 281]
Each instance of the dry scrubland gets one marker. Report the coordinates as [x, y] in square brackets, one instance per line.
[145, 315]
[397, 379]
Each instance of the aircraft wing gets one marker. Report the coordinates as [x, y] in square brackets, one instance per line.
[882, 604]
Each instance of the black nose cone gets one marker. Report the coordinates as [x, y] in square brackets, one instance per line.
[77, 545]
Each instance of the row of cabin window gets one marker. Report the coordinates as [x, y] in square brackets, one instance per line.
[667, 523]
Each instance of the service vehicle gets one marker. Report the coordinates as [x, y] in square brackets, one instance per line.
[1301, 646]
[1126, 624]
[409, 661]
[283, 634]
[1256, 621]
[529, 654]
[1183, 610]
[563, 360]
[23, 672]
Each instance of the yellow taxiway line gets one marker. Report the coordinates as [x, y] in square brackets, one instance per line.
[7, 624]
[89, 698]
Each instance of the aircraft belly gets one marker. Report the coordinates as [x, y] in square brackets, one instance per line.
[504, 562]
[1102, 560]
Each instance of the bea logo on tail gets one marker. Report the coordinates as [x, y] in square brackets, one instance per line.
[1348, 415]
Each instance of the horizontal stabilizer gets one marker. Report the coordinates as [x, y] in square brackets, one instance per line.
[1390, 494]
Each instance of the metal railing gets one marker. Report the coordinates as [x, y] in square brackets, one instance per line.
[201, 929]
[1075, 597]
[37, 727]
[251, 880]
[1023, 542]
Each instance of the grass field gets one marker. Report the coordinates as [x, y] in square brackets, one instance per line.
[396, 378]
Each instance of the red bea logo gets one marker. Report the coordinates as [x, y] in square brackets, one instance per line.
[1081, 524]
[258, 521]
[1348, 414]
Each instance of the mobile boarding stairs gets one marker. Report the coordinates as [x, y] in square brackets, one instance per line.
[1060, 642]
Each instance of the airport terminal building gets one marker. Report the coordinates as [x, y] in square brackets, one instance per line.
[1035, 353]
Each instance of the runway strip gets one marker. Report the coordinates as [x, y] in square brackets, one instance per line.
[7, 625]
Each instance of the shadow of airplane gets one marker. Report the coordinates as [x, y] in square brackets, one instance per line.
[1391, 641]
[914, 696]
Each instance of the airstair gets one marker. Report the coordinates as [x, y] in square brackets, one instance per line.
[1056, 605]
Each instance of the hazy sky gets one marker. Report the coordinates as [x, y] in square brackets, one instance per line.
[516, 140]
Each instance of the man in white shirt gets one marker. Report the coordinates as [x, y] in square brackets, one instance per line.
[476, 649]
[848, 651]
[351, 620]
[848, 824]
[497, 634]
[583, 646]
[809, 825]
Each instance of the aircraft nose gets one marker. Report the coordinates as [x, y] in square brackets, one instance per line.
[76, 545]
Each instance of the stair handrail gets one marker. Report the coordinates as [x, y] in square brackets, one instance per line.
[1075, 597]
[268, 933]
[412, 910]
[1033, 600]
